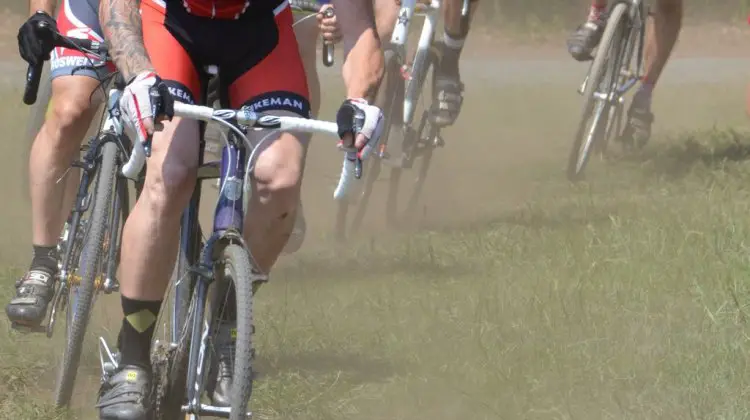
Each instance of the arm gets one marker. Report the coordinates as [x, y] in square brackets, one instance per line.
[121, 23]
[363, 65]
[47, 6]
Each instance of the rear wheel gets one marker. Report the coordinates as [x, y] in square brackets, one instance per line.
[596, 104]
[88, 277]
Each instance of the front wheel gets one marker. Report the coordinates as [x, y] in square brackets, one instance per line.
[84, 283]
[596, 104]
[237, 268]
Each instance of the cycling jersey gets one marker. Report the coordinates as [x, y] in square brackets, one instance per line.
[77, 19]
[256, 54]
[217, 9]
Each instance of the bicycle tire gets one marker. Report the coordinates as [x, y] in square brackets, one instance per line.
[417, 151]
[236, 259]
[81, 296]
[393, 89]
[577, 162]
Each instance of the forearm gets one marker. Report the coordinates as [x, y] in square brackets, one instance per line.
[363, 63]
[363, 67]
[47, 6]
[121, 23]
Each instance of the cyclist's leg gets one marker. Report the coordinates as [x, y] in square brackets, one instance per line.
[662, 31]
[273, 83]
[73, 105]
[278, 170]
[150, 235]
[448, 87]
[586, 36]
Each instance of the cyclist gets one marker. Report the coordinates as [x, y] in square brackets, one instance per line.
[75, 101]
[448, 95]
[663, 31]
[180, 37]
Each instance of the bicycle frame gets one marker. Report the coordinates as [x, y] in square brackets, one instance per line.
[398, 41]
[637, 13]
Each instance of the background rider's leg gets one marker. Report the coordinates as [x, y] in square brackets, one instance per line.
[54, 148]
[52, 152]
[662, 32]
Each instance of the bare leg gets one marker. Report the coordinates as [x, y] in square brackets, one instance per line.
[661, 35]
[52, 152]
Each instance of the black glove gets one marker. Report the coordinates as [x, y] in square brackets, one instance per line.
[35, 38]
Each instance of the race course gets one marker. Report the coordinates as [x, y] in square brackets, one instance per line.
[519, 296]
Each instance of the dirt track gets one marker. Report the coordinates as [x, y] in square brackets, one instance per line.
[518, 118]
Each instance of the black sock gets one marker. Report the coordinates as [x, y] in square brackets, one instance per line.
[137, 330]
[44, 258]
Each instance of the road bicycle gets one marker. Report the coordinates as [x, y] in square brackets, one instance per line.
[90, 242]
[404, 144]
[211, 274]
[616, 68]
[210, 271]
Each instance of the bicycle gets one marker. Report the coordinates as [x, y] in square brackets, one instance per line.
[208, 271]
[611, 75]
[403, 144]
[89, 243]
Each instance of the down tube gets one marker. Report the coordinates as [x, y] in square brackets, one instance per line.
[190, 245]
[229, 213]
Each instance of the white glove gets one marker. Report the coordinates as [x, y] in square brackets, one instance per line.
[360, 127]
[145, 99]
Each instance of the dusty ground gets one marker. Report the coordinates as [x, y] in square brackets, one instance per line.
[609, 300]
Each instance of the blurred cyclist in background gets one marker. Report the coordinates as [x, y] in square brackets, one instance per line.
[662, 31]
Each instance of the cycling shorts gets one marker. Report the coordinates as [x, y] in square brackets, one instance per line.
[256, 54]
[78, 19]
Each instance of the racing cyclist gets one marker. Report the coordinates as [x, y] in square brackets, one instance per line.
[75, 100]
[662, 32]
[158, 44]
[448, 94]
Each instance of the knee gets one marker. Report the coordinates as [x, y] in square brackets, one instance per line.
[70, 113]
[168, 187]
[278, 183]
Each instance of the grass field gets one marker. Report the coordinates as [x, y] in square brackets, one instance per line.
[522, 297]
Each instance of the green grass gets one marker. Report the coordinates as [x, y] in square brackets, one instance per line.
[625, 298]
[523, 298]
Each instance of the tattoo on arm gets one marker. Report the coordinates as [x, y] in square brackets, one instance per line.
[121, 22]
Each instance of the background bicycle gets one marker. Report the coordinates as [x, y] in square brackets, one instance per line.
[616, 68]
[89, 243]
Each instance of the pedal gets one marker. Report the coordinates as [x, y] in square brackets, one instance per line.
[108, 360]
[438, 141]
[110, 285]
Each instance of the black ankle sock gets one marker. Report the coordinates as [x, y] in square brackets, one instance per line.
[137, 330]
[44, 258]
